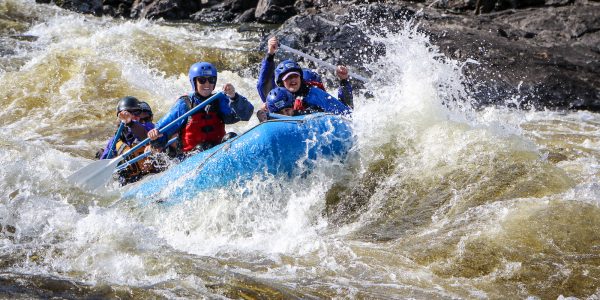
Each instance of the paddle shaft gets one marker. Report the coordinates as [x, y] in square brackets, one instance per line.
[140, 157]
[112, 149]
[320, 62]
[168, 126]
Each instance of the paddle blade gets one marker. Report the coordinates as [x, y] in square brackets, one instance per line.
[94, 175]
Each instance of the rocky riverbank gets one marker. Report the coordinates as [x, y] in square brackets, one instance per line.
[543, 53]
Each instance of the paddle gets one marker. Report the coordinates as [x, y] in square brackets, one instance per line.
[320, 62]
[112, 149]
[97, 174]
[140, 157]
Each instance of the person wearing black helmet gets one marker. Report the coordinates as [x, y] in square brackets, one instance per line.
[146, 115]
[130, 112]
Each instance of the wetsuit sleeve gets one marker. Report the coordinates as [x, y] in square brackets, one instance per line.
[236, 109]
[176, 111]
[266, 77]
[345, 93]
[326, 102]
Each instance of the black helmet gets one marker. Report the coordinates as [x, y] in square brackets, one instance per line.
[128, 103]
[146, 108]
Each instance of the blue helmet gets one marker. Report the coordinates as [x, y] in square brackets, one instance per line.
[201, 69]
[285, 67]
[278, 99]
[310, 75]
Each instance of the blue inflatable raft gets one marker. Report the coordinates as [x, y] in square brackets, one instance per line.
[283, 146]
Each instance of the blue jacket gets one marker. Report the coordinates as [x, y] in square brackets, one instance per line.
[230, 111]
[319, 99]
[266, 82]
[266, 77]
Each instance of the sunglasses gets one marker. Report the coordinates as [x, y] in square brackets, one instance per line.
[211, 80]
[135, 112]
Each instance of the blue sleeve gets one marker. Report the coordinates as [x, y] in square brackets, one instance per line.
[176, 111]
[345, 93]
[266, 77]
[236, 109]
[326, 102]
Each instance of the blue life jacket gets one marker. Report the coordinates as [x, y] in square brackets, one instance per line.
[318, 100]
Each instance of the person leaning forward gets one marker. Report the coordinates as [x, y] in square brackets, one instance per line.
[206, 128]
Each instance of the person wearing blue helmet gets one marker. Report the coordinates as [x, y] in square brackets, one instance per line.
[308, 99]
[205, 128]
[268, 76]
[281, 101]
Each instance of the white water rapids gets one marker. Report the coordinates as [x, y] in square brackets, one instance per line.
[437, 200]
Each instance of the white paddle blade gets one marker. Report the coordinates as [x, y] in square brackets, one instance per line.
[94, 175]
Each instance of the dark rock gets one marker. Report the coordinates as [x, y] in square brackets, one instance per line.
[227, 11]
[274, 11]
[246, 17]
[303, 5]
[83, 6]
[555, 26]
[212, 15]
[486, 6]
[167, 9]
[525, 56]
[238, 6]
[329, 37]
[119, 10]
[550, 92]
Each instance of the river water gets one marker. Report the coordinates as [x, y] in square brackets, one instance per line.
[436, 201]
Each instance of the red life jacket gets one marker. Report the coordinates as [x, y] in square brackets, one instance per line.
[299, 104]
[204, 126]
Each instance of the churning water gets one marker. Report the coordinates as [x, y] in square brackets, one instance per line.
[437, 200]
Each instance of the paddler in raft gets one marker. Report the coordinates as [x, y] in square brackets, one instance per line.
[206, 128]
[281, 101]
[309, 95]
[137, 119]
